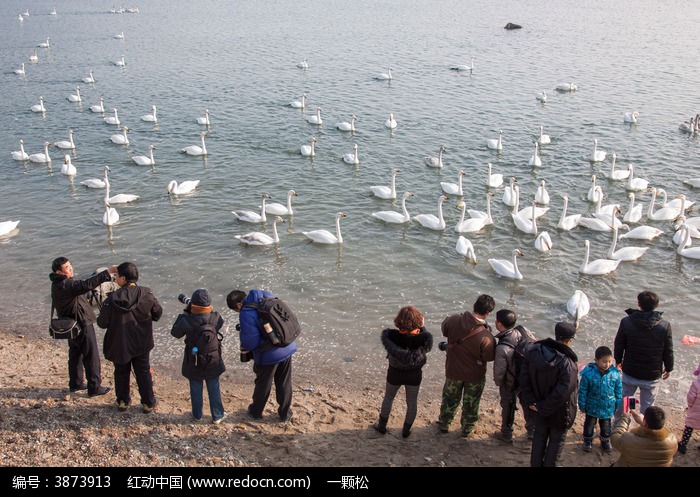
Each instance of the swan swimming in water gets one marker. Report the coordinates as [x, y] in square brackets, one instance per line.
[152, 117]
[594, 192]
[634, 210]
[464, 67]
[277, 209]
[7, 227]
[474, 223]
[42, 157]
[20, 154]
[617, 174]
[393, 216]
[466, 248]
[188, 186]
[541, 97]
[566, 87]
[680, 202]
[98, 108]
[642, 233]
[496, 143]
[120, 198]
[597, 267]
[507, 268]
[569, 222]
[204, 120]
[543, 242]
[391, 122]
[432, 221]
[75, 97]
[664, 213]
[526, 225]
[20, 70]
[630, 117]
[96, 182]
[315, 118]
[66, 144]
[34, 58]
[578, 306]
[259, 238]
[347, 126]
[252, 216]
[120, 139]
[308, 150]
[493, 180]
[386, 192]
[436, 162]
[542, 195]
[145, 160]
[113, 119]
[304, 64]
[597, 155]
[40, 106]
[68, 168]
[385, 76]
[45, 44]
[454, 188]
[325, 236]
[111, 216]
[196, 149]
[683, 248]
[625, 253]
[635, 184]
[509, 193]
[526, 212]
[90, 78]
[544, 139]
[299, 104]
[120, 62]
[535, 159]
[352, 157]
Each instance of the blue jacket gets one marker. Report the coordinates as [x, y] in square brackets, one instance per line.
[253, 336]
[600, 394]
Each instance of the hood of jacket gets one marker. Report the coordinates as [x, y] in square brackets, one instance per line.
[548, 354]
[56, 277]
[644, 319]
[127, 297]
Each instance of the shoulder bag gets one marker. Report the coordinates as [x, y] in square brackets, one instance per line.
[63, 328]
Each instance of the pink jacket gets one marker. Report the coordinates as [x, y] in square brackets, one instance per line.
[692, 417]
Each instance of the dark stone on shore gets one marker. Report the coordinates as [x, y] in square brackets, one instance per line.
[512, 25]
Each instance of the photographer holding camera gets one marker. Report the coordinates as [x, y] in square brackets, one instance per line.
[651, 444]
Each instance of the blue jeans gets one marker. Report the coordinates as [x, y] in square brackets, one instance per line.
[215, 404]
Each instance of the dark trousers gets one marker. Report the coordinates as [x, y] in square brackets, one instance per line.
[281, 374]
[509, 399]
[142, 371]
[589, 428]
[547, 443]
[84, 360]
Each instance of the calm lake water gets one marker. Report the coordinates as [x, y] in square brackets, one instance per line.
[239, 61]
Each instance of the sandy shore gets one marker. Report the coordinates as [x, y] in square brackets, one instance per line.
[43, 424]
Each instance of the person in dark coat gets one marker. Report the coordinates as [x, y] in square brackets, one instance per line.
[201, 370]
[549, 387]
[406, 349]
[128, 315]
[68, 297]
[643, 350]
[269, 363]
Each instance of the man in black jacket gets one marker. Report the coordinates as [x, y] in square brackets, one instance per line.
[68, 297]
[643, 350]
[549, 388]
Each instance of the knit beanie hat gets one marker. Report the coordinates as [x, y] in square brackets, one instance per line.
[201, 298]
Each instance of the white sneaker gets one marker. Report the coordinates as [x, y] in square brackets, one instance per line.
[219, 420]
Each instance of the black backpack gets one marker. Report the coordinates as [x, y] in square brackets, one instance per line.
[520, 350]
[284, 326]
[207, 342]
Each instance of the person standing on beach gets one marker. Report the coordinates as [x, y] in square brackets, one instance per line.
[692, 415]
[270, 363]
[643, 350]
[406, 347]
[505, 373]
[68, 297]
[128, 314]
[470, 346]
[549, 388]
[198, 366]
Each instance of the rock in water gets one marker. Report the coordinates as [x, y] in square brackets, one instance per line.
[512, 25]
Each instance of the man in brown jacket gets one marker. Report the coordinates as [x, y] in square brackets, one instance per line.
[649, 445]
[470, 345]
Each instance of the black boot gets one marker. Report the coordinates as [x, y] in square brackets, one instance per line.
[406, 430]
[380, 425]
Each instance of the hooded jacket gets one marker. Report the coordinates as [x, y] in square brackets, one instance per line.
[68, 296]
[253, 336]
[503, 365]
[642, 446]
[549, 379]
[644, 345]
[466, 359]
[600, 394]
[128, 315]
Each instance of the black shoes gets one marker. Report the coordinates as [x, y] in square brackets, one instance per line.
[250, 413]
[82, 386]
[99, 391]
[606, 446]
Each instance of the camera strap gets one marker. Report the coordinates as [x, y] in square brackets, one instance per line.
[475, 331]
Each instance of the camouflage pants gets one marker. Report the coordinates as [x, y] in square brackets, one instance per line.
[469, 394]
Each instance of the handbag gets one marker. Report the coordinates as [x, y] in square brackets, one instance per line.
[63, 328]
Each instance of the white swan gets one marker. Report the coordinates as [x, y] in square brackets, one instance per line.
[664, 213]
[20, 71]
[493, 180]
[120, 198]
[34, 58]
[464, 67]
[304, 64]
[594, 223]
[509, 193]
[496, 143]
[634, 210]
[604, 210]
[432, 161]
[20, 154]
[683, 249]
[541, 96]
[473, 224]
[578, 306]
[694, 182]
[597, 155]
[98, 108]
[66, 144]
[544, 139]
[565, 87]
[630, 117]
[616, 174]
[67, 167]
[347, 126]
[42, 157]
[391, 122]
[90, 78]
[635, 184]
[543, 242]
[507, 268]
[689, 126]
[251, 216]
[196, 149]
[393, 216]
[119, 36]
[120, 138]
[535, 159]
[542, 195]
[277, 209]
[299, 104]
[111, 216]
[188, 186]
[259, 238]
[96, 182]
[204, 120]
[466, 248]
[7, 227]
[315, 118]
[114, 119]
[152, 117]
[385, 76]
[39, 107]
[680, 202]
[120, 62]
[483, 214]
[526, 212]
[45, 44]
[352, 157]
[625, 253]
[526, 225]
[598, 266]
[145, 160]
[308, 150]
[386, 192]
[594, 192]
[75, 97]
[432, 221]
[454, 188]
[642, 233]
[569, 222]
[325, 236]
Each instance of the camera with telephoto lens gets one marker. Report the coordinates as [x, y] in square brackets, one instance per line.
[629, 403]
[184, 299]
[442, 346]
